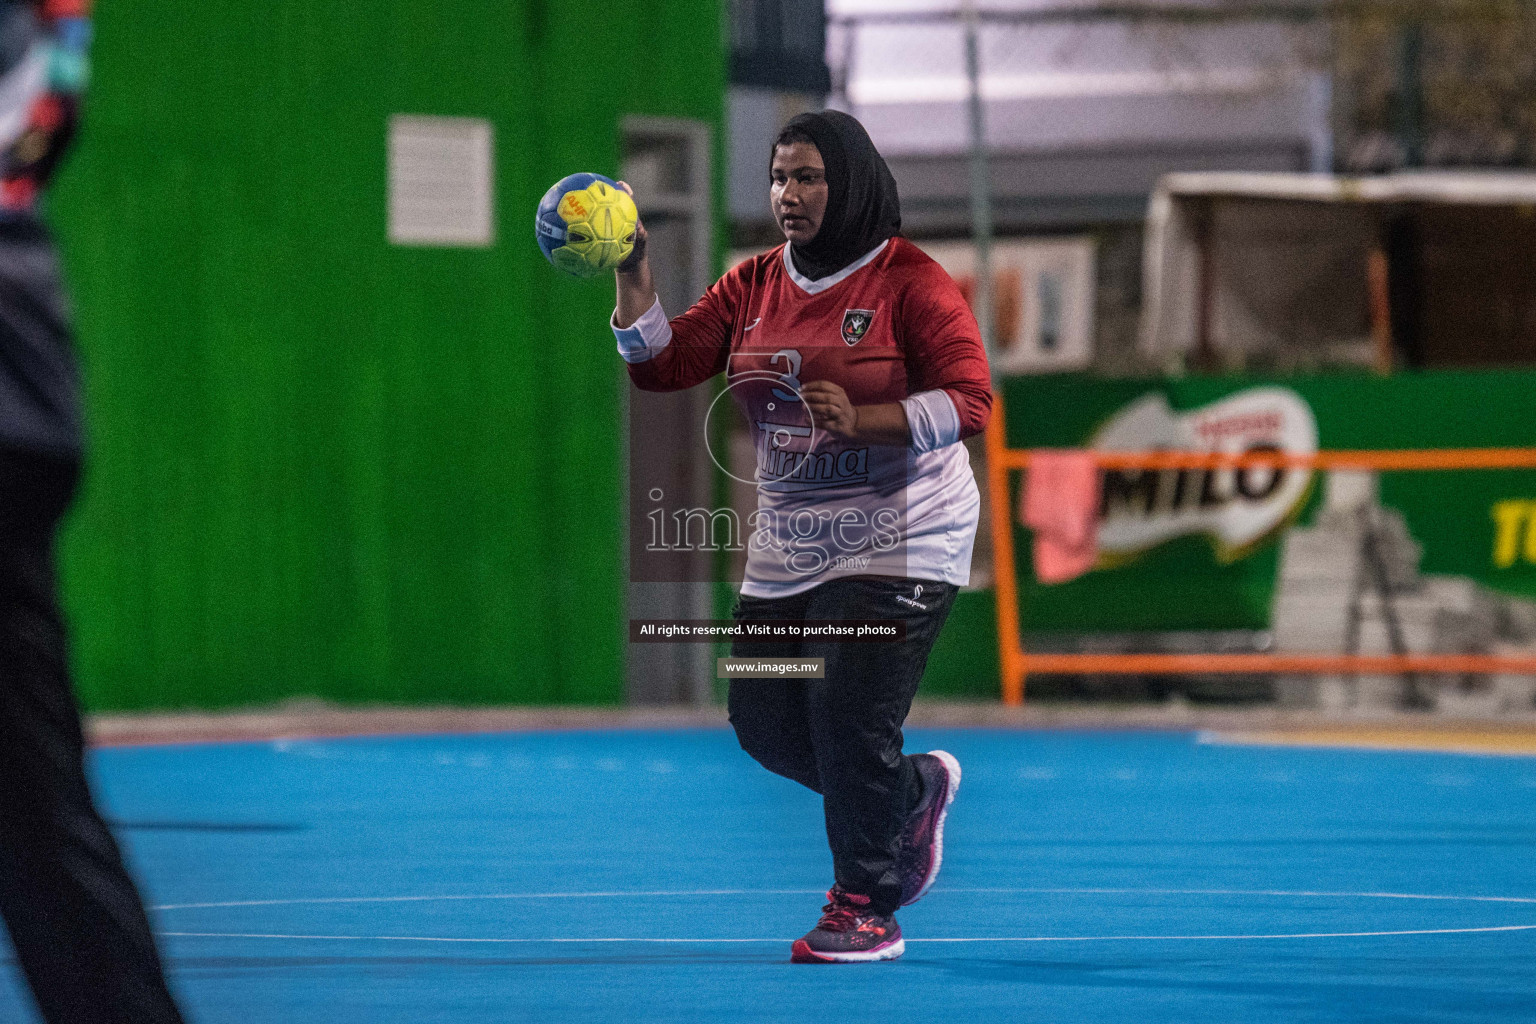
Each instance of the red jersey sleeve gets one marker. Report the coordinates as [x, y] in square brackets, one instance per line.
[671, 355]
[943, 346]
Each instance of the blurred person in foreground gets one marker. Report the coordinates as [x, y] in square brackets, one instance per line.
[75, 918]
[860, 369]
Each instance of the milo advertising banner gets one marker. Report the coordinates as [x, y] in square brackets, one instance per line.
[1237, 510]
[1199, 549]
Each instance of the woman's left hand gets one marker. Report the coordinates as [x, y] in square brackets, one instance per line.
[830, 408]
[867, 424]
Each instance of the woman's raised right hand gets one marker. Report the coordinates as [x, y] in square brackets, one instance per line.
[632, 263]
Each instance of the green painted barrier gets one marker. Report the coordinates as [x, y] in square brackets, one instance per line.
[323, 464]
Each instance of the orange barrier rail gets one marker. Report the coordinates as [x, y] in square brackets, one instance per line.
[1015, 664]
[1420, 458]
[1341, 664]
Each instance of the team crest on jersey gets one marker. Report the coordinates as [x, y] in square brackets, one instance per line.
[856, 324]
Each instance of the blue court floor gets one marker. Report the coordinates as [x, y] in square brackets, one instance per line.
[660, 876]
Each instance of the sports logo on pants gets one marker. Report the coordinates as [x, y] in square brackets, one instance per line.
[856, 324]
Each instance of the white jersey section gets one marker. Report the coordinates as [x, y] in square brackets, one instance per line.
[917, 519]
[828, 508]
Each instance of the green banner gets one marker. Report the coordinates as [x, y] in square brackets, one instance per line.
[1199, 550]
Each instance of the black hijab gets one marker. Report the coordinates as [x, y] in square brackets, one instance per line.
[862, 207]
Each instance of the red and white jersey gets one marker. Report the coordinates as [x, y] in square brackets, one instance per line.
[891, 327]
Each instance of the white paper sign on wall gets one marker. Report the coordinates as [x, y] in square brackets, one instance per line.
[441, 177]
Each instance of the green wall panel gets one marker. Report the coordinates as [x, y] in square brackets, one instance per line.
[321, 464]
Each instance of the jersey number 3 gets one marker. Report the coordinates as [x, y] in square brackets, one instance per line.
[791, 376]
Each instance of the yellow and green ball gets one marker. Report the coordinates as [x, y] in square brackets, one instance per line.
[586, 224]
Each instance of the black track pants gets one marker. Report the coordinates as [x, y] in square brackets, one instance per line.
[75, 918]
[841, 735]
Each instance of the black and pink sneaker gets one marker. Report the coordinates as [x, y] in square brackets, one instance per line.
[849, 933]
[922, 841]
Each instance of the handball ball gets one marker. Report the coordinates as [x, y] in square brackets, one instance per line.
[586, 224]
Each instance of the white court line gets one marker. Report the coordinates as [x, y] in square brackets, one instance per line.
[995, 938]
[432, 938]
[619, 894]
[1261, 892]
[1211, 938]
[491, 896]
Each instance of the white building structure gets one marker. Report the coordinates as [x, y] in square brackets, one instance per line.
[1084, 111]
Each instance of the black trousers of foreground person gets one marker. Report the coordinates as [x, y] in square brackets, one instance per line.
[75, 918]
[841, 735]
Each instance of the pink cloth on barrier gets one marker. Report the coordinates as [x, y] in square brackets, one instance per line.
[1061, 504]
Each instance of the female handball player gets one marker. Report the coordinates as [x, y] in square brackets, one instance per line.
[859, 368]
